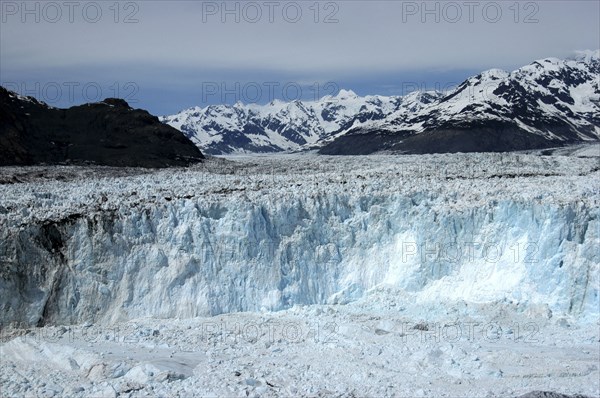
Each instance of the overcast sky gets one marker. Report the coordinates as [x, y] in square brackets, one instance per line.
[166, 56]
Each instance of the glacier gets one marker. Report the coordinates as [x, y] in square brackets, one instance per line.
[268, 234]
[302, 275]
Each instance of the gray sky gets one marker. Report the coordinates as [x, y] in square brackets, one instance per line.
[170, 53]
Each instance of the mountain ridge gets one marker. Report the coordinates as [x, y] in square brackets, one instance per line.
[109, 133]
[550, 102]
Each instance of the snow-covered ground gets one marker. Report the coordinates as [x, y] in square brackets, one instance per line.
[439, 275]
[318, 350]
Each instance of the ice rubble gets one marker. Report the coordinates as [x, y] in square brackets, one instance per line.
[269, 233]
[317, 350]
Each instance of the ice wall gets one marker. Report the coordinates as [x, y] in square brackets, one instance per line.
[192, 257]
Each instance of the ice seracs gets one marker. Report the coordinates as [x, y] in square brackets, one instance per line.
[271, 233]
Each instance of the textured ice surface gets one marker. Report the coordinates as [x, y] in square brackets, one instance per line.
[454, 275]
[319, 350]
[265, 233]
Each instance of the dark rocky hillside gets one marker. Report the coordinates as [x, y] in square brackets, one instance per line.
[106, 133]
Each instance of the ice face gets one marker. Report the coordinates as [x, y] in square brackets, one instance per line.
[196, 243]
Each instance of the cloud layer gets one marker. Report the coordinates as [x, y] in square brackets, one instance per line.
[172, 46]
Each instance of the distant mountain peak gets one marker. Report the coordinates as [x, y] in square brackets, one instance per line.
[587, 55]
[345, 94]
[549, 102]
[495, 74]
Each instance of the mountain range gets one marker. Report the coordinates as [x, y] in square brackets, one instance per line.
[550, 102]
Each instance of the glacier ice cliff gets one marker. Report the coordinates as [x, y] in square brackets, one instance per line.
[269, 248]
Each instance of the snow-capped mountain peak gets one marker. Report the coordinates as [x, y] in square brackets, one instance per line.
[549, 102]
[587, 56]
[346, 94]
